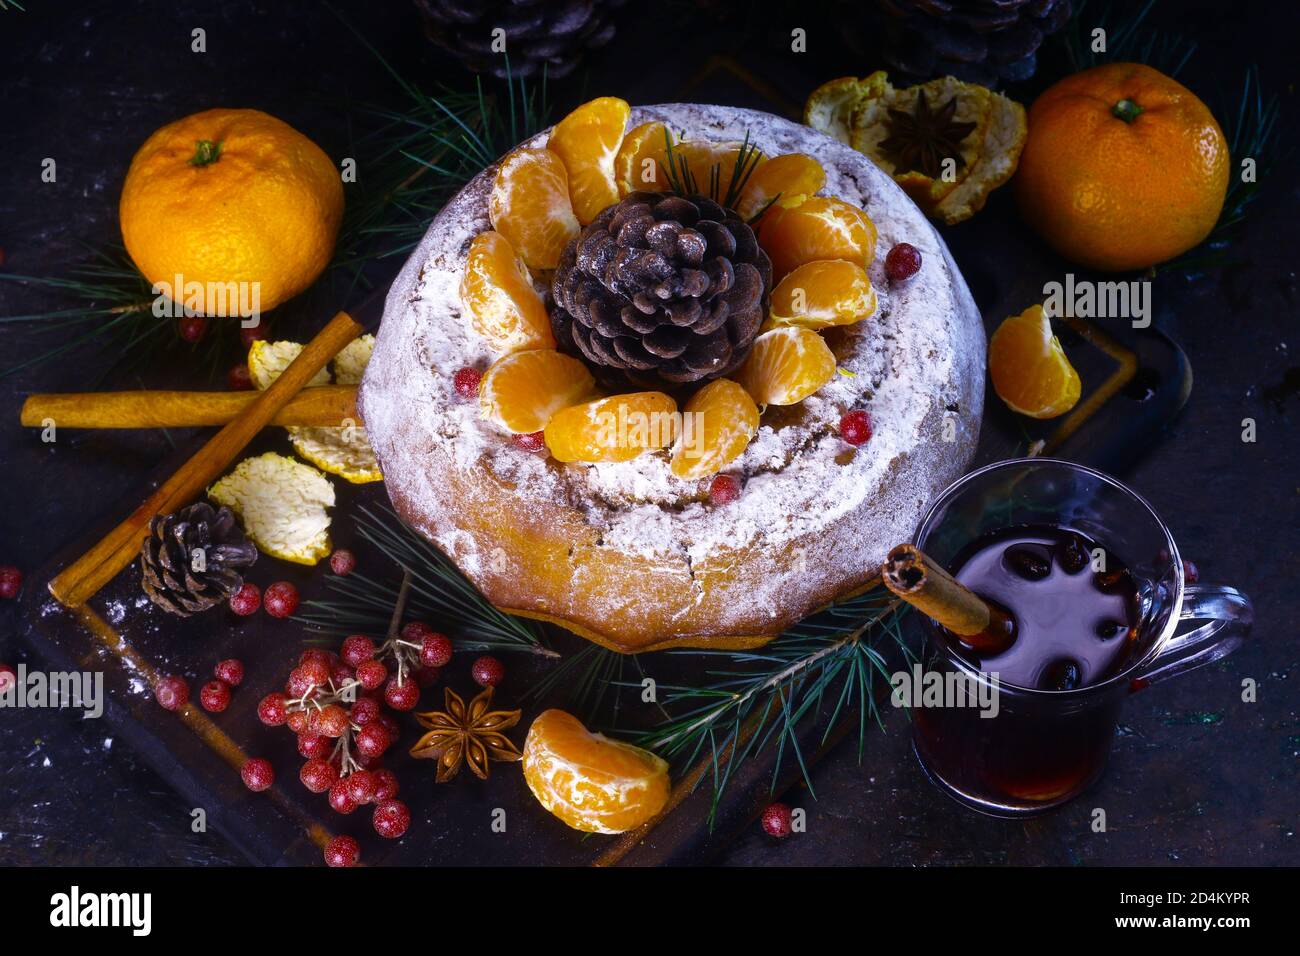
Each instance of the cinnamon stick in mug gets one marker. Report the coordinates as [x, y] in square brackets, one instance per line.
[928, 587]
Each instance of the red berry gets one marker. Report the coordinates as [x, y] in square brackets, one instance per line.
[392, 819]
[487, 671]
[427, 676]
[273, 710]
[281, 599]
[8, 677]
[723, 489]
[466, 382]
[231, 671]
[318, 775]
[215, 696]
[248, 334]
[340, 800]
[390, 726]
[372, 740]
[342, 851]
[332, 721]
[297, 721]
[238, 378]
[343, 562]
[341, 674]
[258, 774]
[191, 328]
[11, 581]
[314, 746]
[316, 655]
[903, 262]
[371, 674]
[305, 678]
[855, 427]
[401, 696]
[1191, 573]
[416, 631]
[246, 600]
[435, 650]
[357, 649]
[361, 786]
[385, 785]
[365, 711]
[533, 442]
[776, 818]
[172, 692]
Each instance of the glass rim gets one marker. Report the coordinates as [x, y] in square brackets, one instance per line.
[950, 493]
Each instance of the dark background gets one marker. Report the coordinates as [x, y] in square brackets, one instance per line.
[1197, 777]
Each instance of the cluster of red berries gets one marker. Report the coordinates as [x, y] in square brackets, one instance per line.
[173, 693]
[280, 599]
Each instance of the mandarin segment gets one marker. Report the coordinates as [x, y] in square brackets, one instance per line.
[530, 206]
[821, 294]
[1029, 369]
[642, 161]
[587, 142]
[590, 782]
[717, 425]
[817, 228]
[790, 178]
[498, 292]
[617, 428]
[786, 365]
[521, 391]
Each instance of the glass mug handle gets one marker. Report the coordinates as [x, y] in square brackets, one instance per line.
[1228, 615]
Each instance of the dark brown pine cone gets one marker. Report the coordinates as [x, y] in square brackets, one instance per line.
[978, 41]
[540, 34]
[662, 288]
[192, 559]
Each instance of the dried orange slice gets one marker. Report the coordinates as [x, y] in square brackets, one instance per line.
[521, 391]
[498, 292]
[587, 142]
[817, 228]
[530, 206]
[786, 365]
[613, 429]
[590, 782]
[642, 160]
[1028, 366]
[791, 178]
[820, 294]
[717, 425]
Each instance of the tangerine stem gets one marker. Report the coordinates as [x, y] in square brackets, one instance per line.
[205, 152]
[1126, 110]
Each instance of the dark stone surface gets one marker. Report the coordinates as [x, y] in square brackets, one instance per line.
[1197, 775]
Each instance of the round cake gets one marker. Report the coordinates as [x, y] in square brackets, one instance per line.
[628, 554]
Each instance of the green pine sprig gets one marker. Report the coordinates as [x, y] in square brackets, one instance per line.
[683, 181]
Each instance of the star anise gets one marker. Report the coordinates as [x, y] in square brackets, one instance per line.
[921, 140]
[466, 734]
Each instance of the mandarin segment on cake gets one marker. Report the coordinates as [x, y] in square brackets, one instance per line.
[713, 268]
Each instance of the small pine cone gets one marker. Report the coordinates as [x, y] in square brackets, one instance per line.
[661, 288]
[173, 574]
[540, 35]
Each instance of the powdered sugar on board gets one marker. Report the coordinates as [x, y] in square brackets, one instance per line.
[919, 360]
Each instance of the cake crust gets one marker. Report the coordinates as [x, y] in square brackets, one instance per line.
[628, 555]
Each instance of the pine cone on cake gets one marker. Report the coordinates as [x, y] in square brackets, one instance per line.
[192, 559]
[661, 288]
[978, 41]
[540, 34]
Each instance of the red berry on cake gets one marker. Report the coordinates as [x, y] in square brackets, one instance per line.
[487, 671]
[855, 427]
[902, 262]
[466, 382]
[342, 851]
[533, 442]
[723, 490]
[776, 820]
[343, 562]
[11, 582]
[172, 692]
[281, 599]
[257, 773]
[215, 696]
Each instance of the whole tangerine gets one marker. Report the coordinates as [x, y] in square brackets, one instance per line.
[1124, 168]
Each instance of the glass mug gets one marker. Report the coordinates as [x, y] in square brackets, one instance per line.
[1044, 747]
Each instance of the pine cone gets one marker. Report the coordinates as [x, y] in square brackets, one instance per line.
[539, 33]
[174, 577]
[661, 288]
[978, 41]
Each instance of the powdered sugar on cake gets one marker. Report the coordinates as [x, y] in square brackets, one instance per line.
[918, 360]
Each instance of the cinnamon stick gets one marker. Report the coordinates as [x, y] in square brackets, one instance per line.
[328, 405]
[84, 577]
[928, 587]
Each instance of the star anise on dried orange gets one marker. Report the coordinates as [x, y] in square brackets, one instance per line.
[922, 139]
[470, 734]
